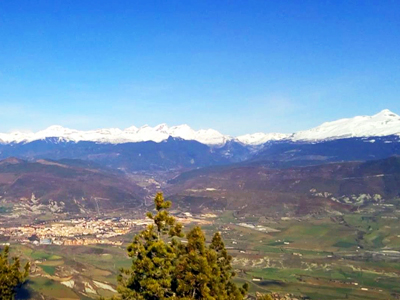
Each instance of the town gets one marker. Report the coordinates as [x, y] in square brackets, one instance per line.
[84, 231]
[74, 232]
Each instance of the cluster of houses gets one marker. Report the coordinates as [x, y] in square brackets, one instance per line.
[74, 232]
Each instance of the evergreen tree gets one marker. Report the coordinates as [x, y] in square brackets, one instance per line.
[11, 277]
[205, 272]
[150, 275]
[222, 284]
[194, 268]
[163, 267]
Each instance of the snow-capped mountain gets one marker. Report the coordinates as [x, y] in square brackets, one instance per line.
[261, 138]
[157, 134]
[384, 123]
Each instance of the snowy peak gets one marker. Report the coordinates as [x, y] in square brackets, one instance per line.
[131, 129]
[261, 138]
[55, 131]
[386, 113]
[383, 123]
[133, 134]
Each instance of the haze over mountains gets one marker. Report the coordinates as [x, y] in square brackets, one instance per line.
[384, 123]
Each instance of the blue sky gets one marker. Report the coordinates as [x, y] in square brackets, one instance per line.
[235, 66]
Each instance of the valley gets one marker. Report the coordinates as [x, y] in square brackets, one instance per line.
[351, 256]
[199, 150]
[315, 232]
[303, 219]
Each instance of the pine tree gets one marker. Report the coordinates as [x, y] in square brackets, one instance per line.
[150, 275]
[164, 267]
[194, 267]
[11, 277]
[205, 272]
[223, 284]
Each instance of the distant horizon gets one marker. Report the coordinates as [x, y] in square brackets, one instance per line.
[179, 125]
[237, 67]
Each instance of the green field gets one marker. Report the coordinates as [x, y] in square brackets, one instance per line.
[321, 258]
[52, 265]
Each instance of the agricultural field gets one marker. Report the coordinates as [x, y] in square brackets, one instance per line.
[352, 256]
[71, 272]
[355, 256]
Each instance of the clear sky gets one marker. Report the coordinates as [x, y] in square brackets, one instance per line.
[235, 66]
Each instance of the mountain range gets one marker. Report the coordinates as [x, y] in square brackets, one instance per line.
[166, 148]
[314, 171]
[384, 123]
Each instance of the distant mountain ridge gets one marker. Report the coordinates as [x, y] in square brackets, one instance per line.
[132, 134]
[385, 123]
[171, 154]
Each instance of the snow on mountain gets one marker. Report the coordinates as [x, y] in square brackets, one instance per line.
[13, 137]
[157, 134]
[205, 136]
[261, 138]
[383, 123]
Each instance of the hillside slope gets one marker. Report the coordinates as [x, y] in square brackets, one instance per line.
[65, 186]
[257, 189]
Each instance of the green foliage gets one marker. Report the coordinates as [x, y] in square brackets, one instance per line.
[152, 269]
[205, 272]
[11, 277]
[164, 267]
